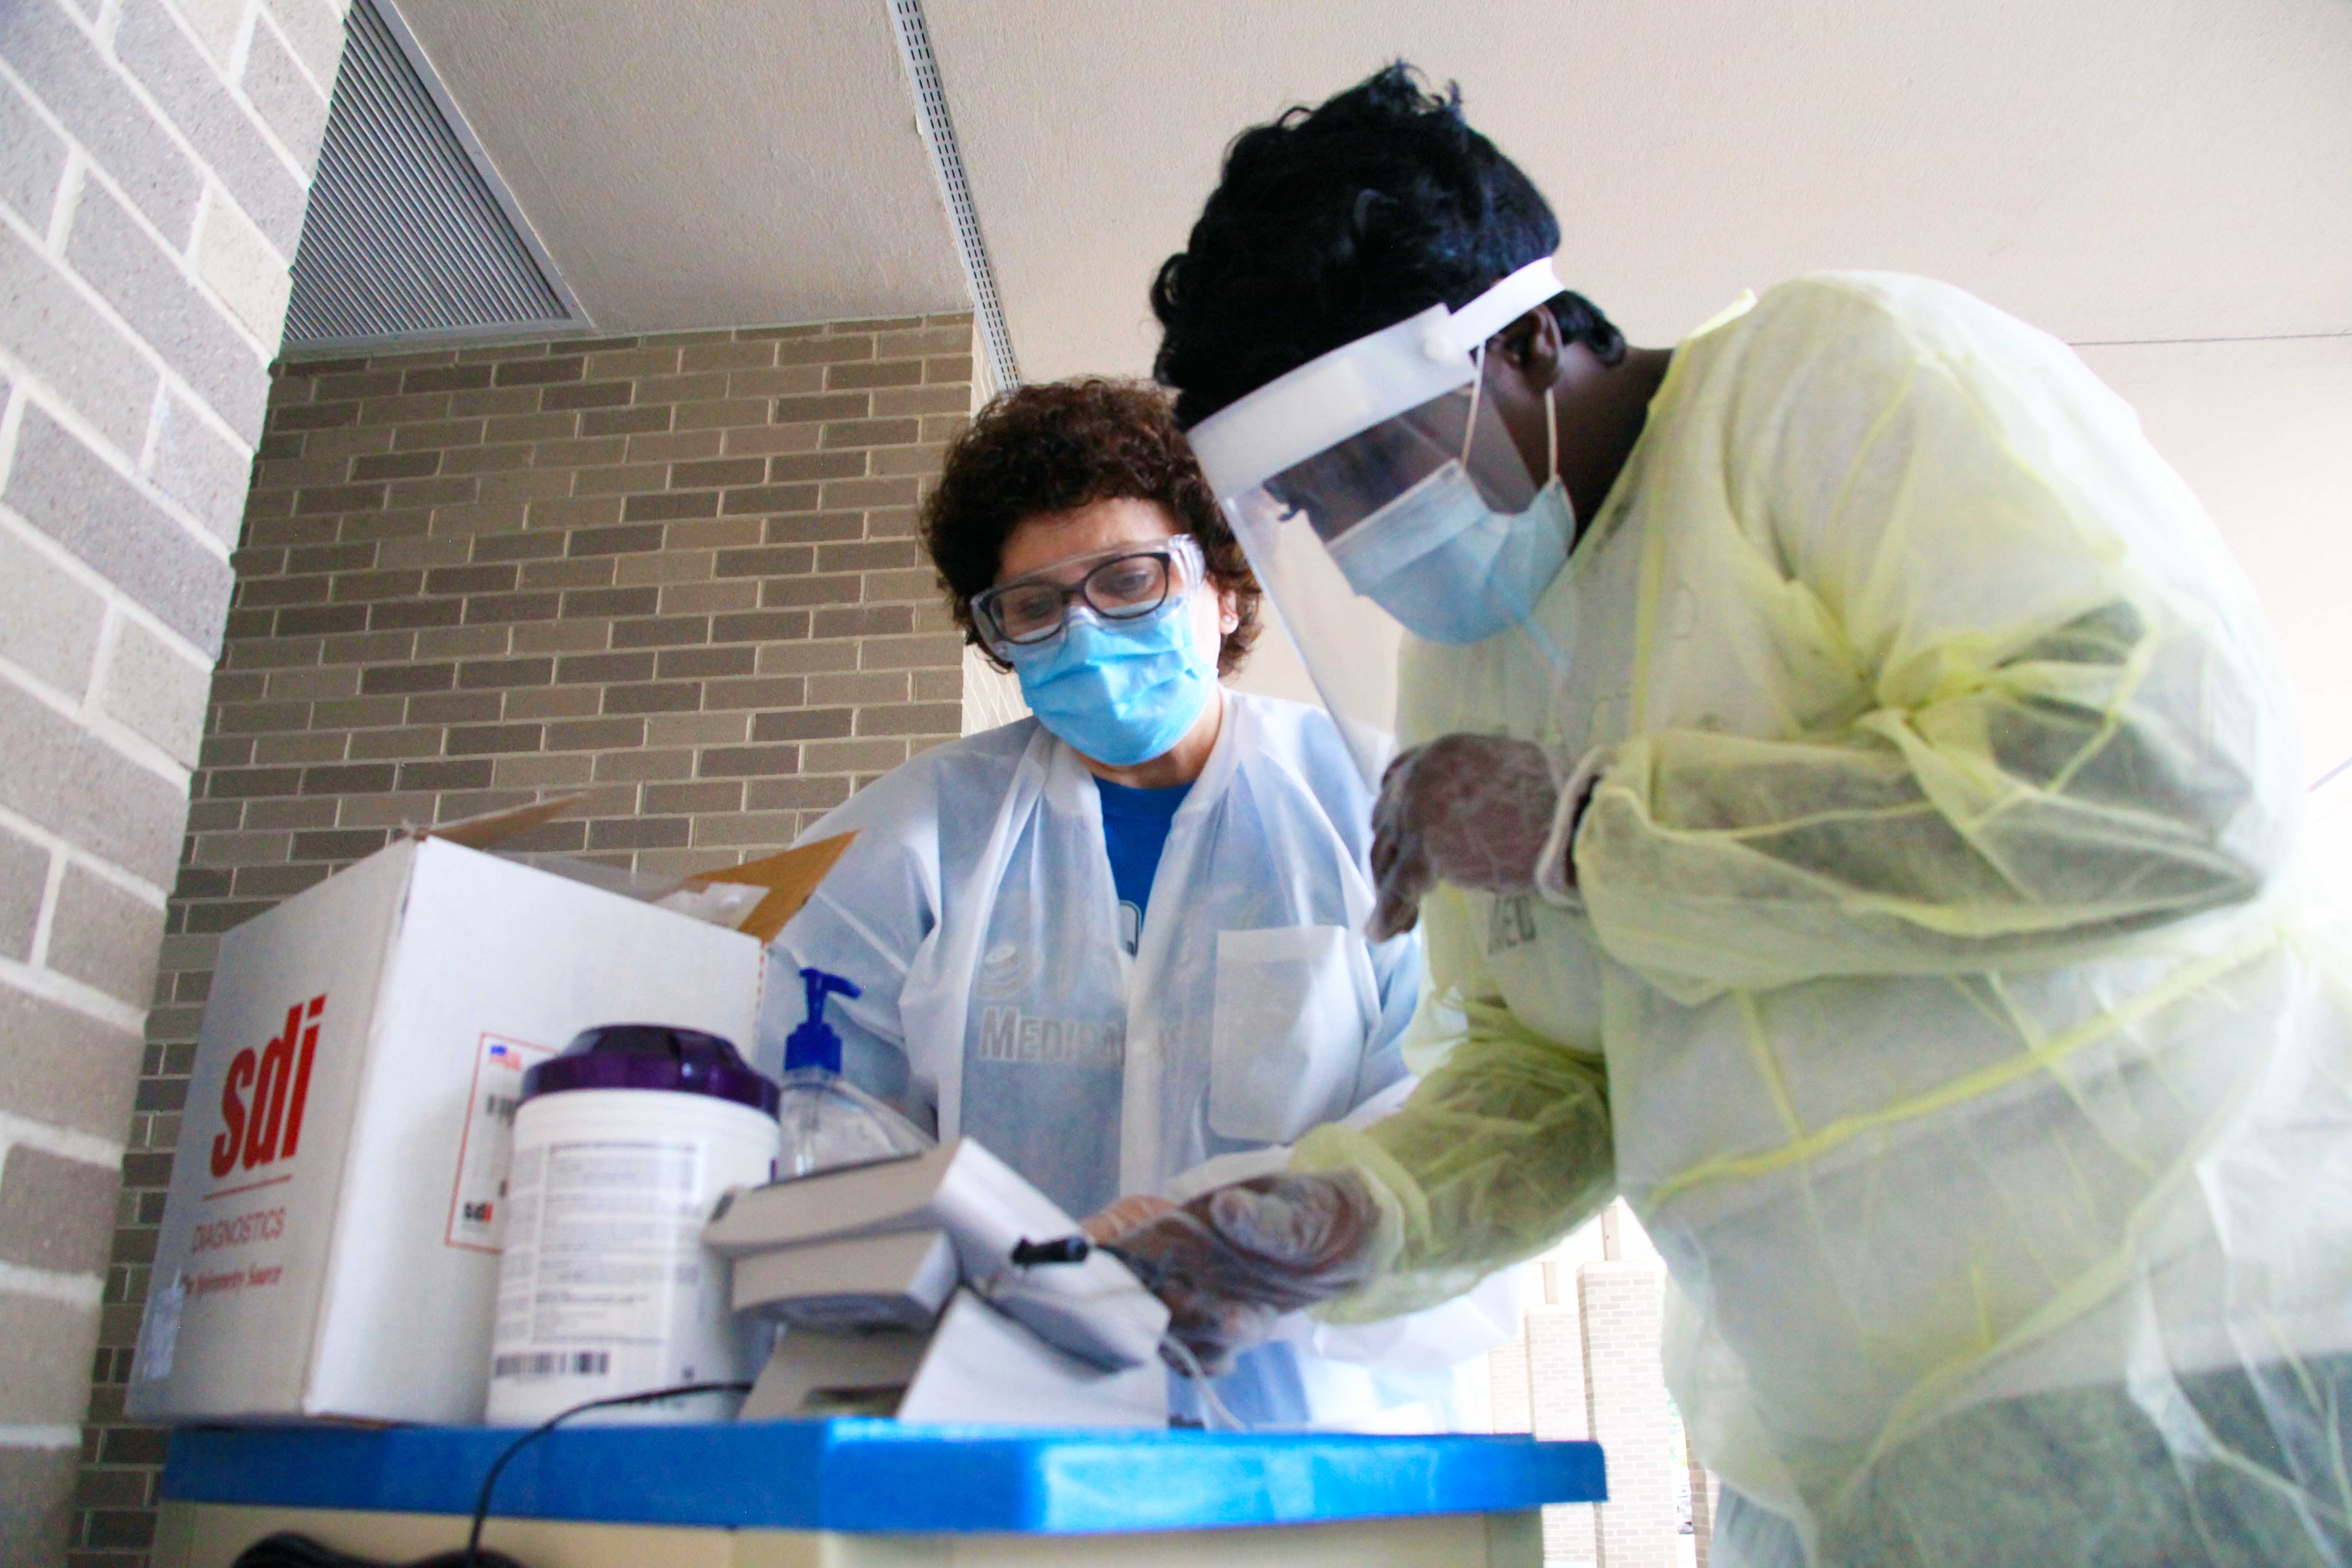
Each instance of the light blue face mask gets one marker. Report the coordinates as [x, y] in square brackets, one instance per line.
[1451, 568]
[1122, 692]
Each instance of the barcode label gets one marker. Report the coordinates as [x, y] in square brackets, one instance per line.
[529, 1365]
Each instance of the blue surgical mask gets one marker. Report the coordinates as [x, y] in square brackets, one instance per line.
[1122, 692]
[1451, 568]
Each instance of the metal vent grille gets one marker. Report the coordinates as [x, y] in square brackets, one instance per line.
[404, 236]
[947, 161]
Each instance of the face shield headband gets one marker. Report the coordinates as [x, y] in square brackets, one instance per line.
[1359, 385]
[1375, 496]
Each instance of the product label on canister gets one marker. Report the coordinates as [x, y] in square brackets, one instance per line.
[478, 1200]
[603, 1265]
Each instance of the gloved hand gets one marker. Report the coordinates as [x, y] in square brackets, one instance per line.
[1235, 1258]
[1124, 1216]
[1471, 810]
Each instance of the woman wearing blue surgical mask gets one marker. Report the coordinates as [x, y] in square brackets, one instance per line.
[1121, 941]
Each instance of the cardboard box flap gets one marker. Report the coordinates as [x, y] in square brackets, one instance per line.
[497, 826]
[790, 877]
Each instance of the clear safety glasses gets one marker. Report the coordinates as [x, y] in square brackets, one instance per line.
[1126, 583]
[1323, 474]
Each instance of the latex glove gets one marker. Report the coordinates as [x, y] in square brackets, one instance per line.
[1471, 810]
[1125, 1216]
[1234, 1259]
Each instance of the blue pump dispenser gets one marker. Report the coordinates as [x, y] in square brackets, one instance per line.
[826, 1121]
[815, 1044]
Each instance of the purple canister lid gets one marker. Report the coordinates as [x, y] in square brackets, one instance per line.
[652, 1056]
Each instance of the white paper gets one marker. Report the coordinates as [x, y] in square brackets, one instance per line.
[158, 1331]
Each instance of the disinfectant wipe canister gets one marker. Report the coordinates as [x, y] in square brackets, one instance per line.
[622, 1147]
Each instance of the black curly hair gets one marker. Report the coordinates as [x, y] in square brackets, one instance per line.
[1054, 447]
[1337, 221]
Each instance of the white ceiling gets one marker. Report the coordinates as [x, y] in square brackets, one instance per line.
[2109, 168]
[2114, 169]
[712, 163]
[2117, 170]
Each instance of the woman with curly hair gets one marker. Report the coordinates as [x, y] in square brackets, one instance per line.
[1121, 941]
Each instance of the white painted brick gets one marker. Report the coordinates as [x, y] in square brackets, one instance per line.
[80, 86]
[157, 690]
[1508, 1379]
[65, 343]
[23, 890]
[315, 29]
[215, 23]
[1626, 1394]
[35, 162]
[173, 67]
[49, 622]
[287, 103]
[243, 268]
[201, 469]
[145, 284]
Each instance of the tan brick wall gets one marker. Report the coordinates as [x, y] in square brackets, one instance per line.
[679, 572]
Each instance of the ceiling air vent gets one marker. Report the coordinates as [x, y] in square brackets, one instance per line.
[999, 371]
[408, 234]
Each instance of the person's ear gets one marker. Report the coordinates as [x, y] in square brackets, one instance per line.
[1534, 347]
[1229, 612]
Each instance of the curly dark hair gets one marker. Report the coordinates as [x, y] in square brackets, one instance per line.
[1337, 221]
[1056, 448]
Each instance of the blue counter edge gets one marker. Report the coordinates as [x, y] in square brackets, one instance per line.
[881, 1475]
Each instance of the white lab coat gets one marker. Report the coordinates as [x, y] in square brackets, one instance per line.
[977, 912]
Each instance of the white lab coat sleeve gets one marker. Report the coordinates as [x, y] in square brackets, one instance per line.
[2016, 731]
[866, 921]
[1397, 966]
[1327, 771]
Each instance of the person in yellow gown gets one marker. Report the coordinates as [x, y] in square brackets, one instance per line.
[1850, 800]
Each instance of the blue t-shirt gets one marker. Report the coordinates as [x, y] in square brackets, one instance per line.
[1135, 830]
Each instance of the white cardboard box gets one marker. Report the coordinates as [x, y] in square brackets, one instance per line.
[330, 1247]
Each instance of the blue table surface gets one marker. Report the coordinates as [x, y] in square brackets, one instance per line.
[870, 1475]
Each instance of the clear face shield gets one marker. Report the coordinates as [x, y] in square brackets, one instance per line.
[1378, 494]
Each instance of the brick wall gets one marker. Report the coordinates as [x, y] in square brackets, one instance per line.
[1625, 1394]
[154, 161]
[1588, 1363]
[1556, 1361]
[679, 573]
[1511, 1389]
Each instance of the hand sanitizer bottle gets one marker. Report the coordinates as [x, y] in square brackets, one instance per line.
[828, 1122]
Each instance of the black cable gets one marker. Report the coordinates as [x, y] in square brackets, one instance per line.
[1065, 1250]
[1152, 1272]
[287, 1549]
[473, 1559]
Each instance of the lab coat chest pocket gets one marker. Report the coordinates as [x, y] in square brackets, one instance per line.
[1288, 1033]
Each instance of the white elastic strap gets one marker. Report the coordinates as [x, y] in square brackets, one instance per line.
[1552, 866]
[1551, 435]
[1214, 1414]
[1498, 306]
[1477, 386]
